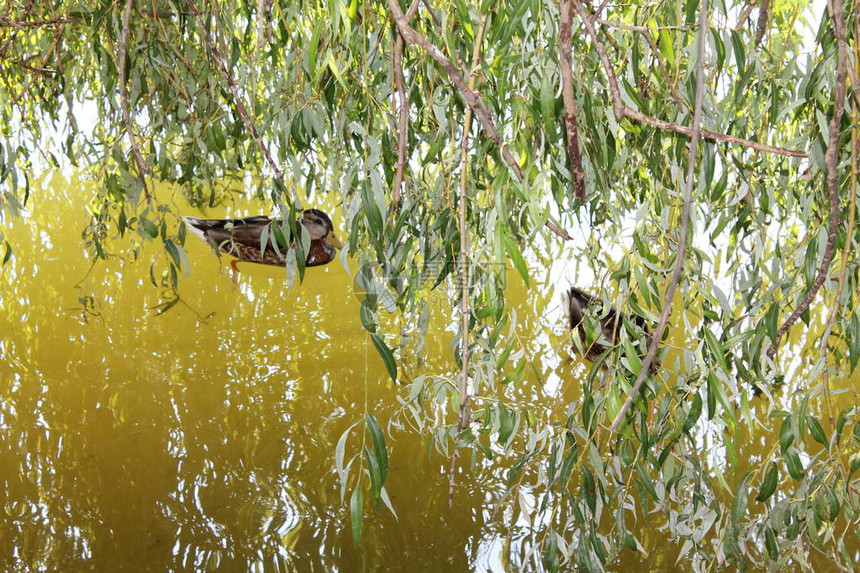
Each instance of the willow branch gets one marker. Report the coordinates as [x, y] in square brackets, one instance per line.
[831, 160]
[685, 220]
[234, 90]
[761, 25]
[464, 414]
[7, 23]
[142, 169]
[403, 109]
[58, 36]
[622, 110]
[473, 99]
[852, 214]
[632, 28]
[742, 21]
[264, 15]
[570, 107]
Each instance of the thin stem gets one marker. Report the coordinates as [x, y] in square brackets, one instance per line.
[234, 90]
[685, 220]
[570, 106]
[142, 169]
[622, 110]
[831, 160]
[465, 412]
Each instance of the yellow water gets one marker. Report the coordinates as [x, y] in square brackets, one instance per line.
[204, 438]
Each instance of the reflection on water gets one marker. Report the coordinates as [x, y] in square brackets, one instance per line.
[204, 438]
[185, 444]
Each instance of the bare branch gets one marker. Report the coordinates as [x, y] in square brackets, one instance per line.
[742, 21]
[7, 23]
[142, 170]
[643, 29]
[234, 90]
[264, 15]
[403, 107]
[831, 160]
[623, 111]
[570, 107]
[761, 25]
[464, 414]
[685, 220]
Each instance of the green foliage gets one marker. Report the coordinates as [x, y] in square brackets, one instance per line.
[317, 82]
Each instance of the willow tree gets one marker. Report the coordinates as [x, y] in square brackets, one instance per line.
[714, 145]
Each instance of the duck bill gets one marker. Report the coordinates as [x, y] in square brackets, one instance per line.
[332, 238]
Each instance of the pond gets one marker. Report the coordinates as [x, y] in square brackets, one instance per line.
[204, 437]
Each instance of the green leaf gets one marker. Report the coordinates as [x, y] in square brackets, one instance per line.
[816, 430]
[853, 339]
[739, 503]
[770, 544]
[355, 514]
[149, 227]
[589, 489]
[793, 463]
[740, 52]
[716, 349]
[786, 434]
[375, 470]
[507, 423]
[8, 254]
[378, 440]
[386, 354]
[694, 413]
[517, 258]
[768, 483]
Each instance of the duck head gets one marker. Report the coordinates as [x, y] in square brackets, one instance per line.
[319, 227]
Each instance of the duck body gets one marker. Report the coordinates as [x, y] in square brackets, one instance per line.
[578, 304]
[243, 238]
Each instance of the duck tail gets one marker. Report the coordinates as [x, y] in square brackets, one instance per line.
[198, 227]
[575, 304]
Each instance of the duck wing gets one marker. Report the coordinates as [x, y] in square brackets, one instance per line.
[247, 232]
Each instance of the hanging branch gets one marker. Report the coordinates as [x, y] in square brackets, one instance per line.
[142, 170]
[403, 108]
[761, 25]
[264, 15]
[685, 219]
[473, 99]
[234, 90]
[570, 107]
[464, 414]
[622, 110]
[831, 160]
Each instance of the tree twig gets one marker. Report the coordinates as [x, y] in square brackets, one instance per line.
[570, 107]
[831, 160]
[142, 170]
[761, 25]
[622, 110]
[464, 414]
[473, 99]
[742, 21]
[7, 23]
[632, 28]
[234, 90]
[403, 109]
[685, 219]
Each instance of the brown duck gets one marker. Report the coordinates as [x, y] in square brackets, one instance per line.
[578, 303]
[241, 238]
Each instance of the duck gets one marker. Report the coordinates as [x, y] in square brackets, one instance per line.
[241, 238]
[577, 304]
